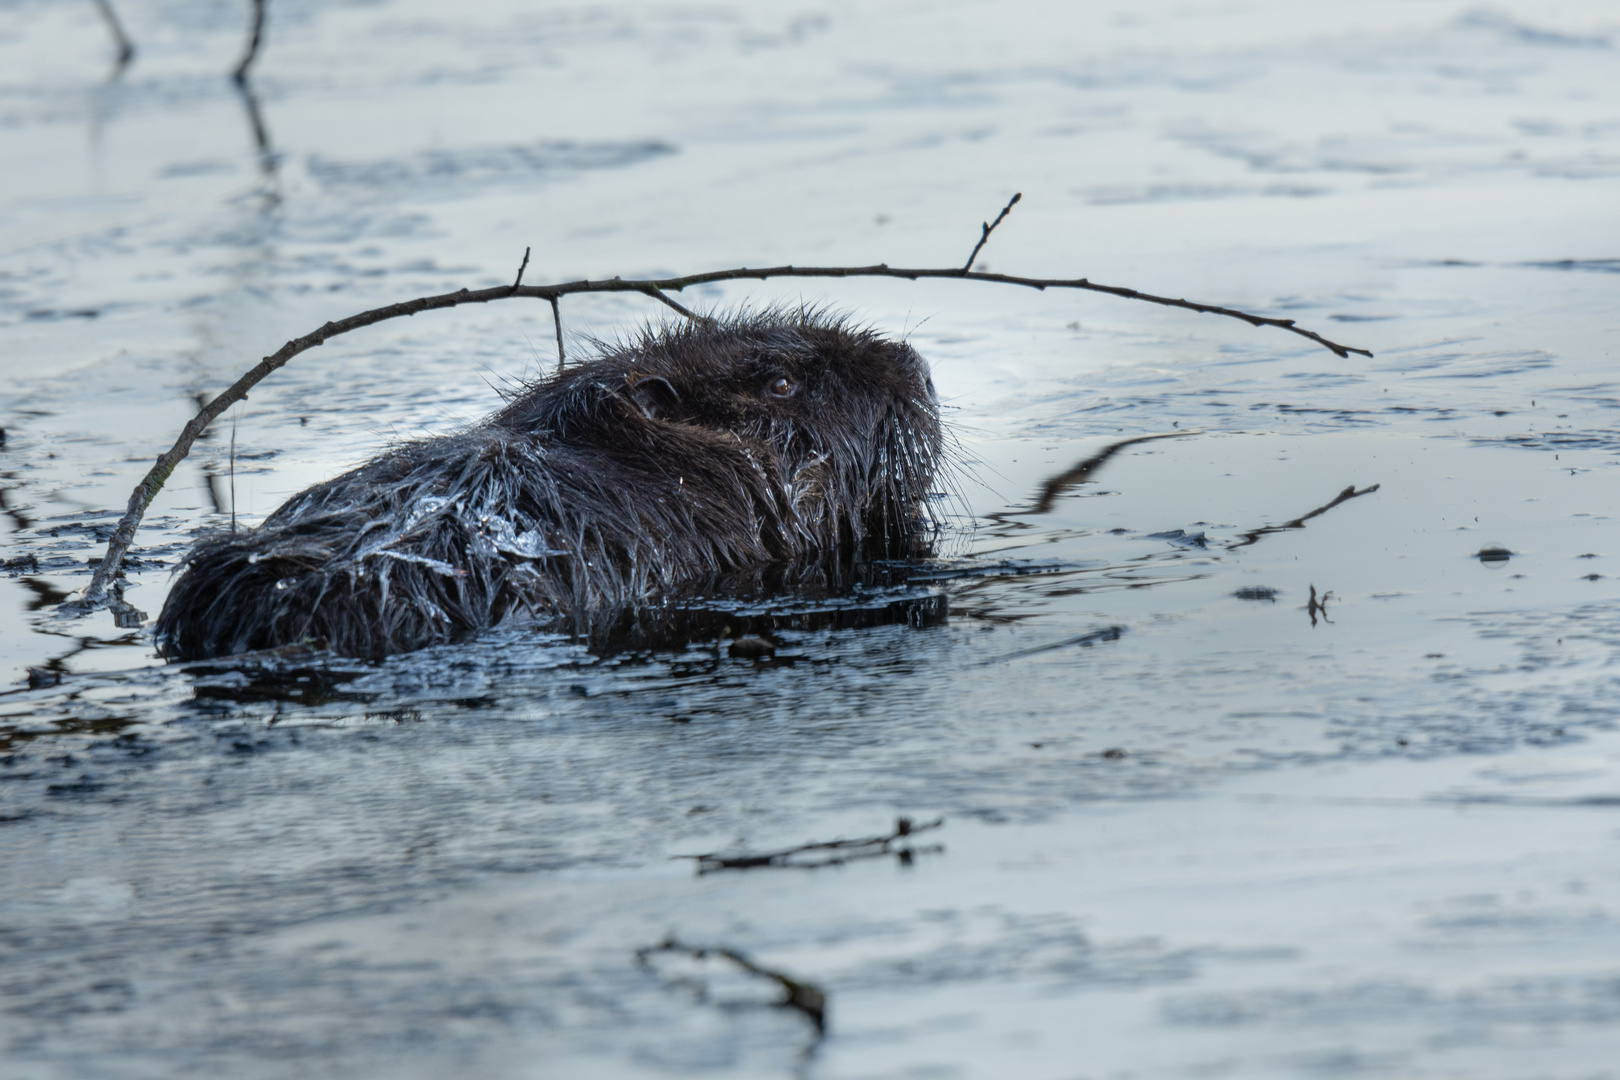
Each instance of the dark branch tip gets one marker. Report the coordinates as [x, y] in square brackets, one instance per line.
[524, 265]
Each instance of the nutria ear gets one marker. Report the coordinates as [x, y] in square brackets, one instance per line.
[654, 396]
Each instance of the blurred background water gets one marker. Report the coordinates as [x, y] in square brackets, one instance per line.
[1192, 825]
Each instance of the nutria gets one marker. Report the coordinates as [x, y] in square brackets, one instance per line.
[648, 473]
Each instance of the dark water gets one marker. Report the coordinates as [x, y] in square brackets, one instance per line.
[1194, 823]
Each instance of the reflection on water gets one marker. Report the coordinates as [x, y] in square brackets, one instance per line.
[1253, 756]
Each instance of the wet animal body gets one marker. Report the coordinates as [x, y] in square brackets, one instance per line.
[653, 472]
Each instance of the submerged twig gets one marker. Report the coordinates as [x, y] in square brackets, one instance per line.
[126, 47]
[1253, 535]
[255, 36]
[804, 997]
[141, 498]
[869, 847]
[990, 227]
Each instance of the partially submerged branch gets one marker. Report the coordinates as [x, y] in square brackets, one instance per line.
[825, 853]
[803, 997]
[1318, 606]
[141, 498]
[1084, 641]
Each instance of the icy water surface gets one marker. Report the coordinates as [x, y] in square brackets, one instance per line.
[1228, 787]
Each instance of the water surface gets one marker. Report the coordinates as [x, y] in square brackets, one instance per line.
[1194, 823]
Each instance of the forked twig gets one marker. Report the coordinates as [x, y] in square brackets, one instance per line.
[124, 535]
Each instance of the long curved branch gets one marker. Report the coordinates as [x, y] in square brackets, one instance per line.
[141, 498]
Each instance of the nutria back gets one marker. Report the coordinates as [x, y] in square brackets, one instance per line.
[654, 471]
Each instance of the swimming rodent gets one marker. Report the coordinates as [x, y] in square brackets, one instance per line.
[648, 473]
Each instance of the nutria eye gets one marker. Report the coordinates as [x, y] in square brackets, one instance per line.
[782, 386]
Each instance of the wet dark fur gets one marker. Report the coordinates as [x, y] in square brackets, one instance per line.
[651, 472]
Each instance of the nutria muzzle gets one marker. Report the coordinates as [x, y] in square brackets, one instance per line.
[652, 472]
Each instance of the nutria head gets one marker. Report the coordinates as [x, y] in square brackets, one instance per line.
[844, 421]
[647, 473]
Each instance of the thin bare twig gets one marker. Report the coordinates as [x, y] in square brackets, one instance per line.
[990, 227]
[255, 36]
[126, 47]
[662, 298]
[524, 265]
[843, 850]
[152, 483]
[556, 320]
[234, 421]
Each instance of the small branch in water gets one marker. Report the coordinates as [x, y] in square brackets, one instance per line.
[869, 847]
[1084, 641]
[804, 997]
[255, 36]
[990, 227]
[1319, 606]
[126, 47]
[524, 265]
[1299, 523]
